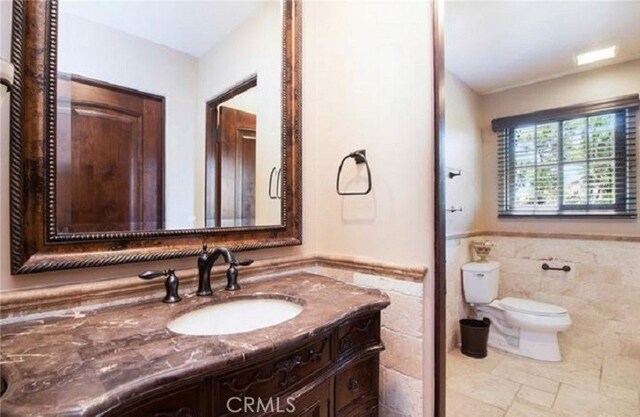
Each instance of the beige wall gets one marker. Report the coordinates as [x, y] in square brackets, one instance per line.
[607, 82]
[463, 147]
[374, 92]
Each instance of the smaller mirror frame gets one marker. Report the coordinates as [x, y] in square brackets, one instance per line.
[37, 246]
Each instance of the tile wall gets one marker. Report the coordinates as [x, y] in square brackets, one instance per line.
[602, 291]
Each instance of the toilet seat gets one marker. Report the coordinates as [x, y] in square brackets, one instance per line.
[537, 308]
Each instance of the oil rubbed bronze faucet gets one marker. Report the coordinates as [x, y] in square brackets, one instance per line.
[171, 283]
[205, 263]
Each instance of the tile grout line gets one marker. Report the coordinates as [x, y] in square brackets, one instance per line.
[555, 397]
[601, 369]
[506, 411]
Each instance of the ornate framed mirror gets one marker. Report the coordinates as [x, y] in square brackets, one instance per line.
[141, 130]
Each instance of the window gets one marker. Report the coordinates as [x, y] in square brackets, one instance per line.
[572, 161]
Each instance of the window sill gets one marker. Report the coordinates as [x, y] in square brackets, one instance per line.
[612, 216]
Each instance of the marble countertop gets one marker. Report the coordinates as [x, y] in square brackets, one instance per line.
[84, 363]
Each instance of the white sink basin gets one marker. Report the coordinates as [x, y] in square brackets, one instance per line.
[236, 316]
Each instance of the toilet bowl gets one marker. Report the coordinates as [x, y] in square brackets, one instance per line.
[518, 325]
[526, 327]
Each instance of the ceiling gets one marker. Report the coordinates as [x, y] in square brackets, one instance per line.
[496, 45]
[192, 27]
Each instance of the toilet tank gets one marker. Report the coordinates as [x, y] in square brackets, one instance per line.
[480, 282]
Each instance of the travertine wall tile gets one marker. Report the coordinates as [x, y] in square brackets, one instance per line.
[388, 284]
[335, 273]
[629, 345]
[389, 412]
[402, 353]
[402, 333]
[602, 291]
[402, 393]
[404, 314]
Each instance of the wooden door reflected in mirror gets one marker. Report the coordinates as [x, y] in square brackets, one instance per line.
[109, 157]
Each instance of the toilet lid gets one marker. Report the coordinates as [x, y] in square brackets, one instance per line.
[537, 308]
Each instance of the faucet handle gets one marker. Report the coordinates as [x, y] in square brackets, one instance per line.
[171, 283]
[204, 247]
[245, 262]
[152, 274]
[232, 274]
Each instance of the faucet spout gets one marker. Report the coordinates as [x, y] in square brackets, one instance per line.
[205, 263]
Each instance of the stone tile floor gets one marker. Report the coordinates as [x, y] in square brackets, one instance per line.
[506, 385]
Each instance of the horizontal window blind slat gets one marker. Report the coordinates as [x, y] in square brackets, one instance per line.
[579, 166]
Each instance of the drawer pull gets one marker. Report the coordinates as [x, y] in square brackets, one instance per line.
[353, 385]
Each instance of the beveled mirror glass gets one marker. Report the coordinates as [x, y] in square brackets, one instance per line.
[142, 129]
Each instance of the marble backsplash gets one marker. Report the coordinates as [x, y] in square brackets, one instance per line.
[602, 291]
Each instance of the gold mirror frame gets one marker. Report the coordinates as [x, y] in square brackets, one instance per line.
[36, 244]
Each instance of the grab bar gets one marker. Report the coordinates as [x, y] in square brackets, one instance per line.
[565, 268]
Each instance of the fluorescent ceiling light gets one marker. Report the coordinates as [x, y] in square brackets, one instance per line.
[597, 55]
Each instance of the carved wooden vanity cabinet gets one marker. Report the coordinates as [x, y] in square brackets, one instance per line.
[332, 374]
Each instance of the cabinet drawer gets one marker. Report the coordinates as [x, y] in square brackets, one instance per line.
[316, 403]
[275, 377]
[357, 385]
[358, 334]
[189, 401]
[369, 410]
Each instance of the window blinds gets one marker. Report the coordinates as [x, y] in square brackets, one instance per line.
[578, 160]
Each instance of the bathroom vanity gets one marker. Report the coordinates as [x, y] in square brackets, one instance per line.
[122, 360]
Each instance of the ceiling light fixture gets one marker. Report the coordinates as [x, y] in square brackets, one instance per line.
[597, 55]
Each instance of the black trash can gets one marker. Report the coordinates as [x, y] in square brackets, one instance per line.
[474, 335]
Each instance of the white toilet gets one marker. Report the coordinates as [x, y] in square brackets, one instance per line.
[520, 326]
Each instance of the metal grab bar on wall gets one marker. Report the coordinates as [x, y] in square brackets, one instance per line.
[565, 268]
[361, 158]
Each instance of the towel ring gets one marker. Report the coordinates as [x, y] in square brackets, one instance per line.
[360, 157]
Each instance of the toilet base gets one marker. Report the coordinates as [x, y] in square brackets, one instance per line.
[531, 344]
[534, 345]
[541, 346]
